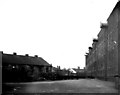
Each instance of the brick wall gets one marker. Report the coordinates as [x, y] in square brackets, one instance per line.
[119, 45]
[112, 64]
[104, 57]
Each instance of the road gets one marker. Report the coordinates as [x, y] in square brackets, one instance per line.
[64, 86]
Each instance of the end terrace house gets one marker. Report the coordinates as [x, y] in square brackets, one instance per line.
[24, 68]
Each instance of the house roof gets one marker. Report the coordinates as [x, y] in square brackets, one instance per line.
[20, 59]
[78, 70]
[72, 70]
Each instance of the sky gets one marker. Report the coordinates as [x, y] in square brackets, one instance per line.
[60, 31]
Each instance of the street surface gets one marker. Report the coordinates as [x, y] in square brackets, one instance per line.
[65, 86]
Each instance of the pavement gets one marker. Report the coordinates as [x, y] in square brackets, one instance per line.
[64, 86]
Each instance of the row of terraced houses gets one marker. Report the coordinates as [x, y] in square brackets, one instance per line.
[103, 58]
[26, 68]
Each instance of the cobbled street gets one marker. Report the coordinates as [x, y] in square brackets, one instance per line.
[64, 86]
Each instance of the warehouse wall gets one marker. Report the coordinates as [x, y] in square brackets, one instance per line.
[118, 44]
[103, 61]
[101, 52]
[112, 64]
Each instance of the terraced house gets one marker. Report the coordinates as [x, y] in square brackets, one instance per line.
[17, 68]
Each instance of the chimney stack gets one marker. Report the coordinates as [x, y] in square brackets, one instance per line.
[90, 48]
[103, 25]
[36, 55]
[26, 54]
[14, 53]
[95, 40]
[87, 53]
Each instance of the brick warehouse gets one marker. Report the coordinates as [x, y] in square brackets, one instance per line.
[103, 59]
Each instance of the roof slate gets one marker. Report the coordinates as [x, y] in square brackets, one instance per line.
[20, 59]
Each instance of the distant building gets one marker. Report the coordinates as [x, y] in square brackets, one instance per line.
[72, 70]
[80, 73]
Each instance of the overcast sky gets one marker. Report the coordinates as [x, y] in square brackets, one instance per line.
[60, 31]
